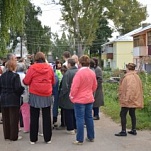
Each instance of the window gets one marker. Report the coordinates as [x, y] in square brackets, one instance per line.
[139, 41]
[149, 38]
[136, 41]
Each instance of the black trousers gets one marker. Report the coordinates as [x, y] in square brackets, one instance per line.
[21, 119]
[10, 122]
[63, 117]
[70, 119]
[34, 123]
[123, 114]
[95, 111]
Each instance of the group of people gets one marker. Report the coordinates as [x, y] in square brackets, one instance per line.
[74, 86]
[71, 95]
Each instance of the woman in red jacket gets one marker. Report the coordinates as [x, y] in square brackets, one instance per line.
[40, 78]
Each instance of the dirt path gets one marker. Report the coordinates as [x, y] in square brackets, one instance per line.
[105, 140]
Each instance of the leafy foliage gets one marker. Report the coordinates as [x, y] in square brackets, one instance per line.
[84, 18]
[125, 14]
[38, 37]
[81, 19]
[65, 43]
[11, 17]
[102, 34]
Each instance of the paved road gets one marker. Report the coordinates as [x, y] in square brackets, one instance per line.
[105, 140]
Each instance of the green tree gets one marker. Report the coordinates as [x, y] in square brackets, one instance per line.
[11, 17]
[127, 15]
[38, 37]
[45, 40]
[102, 34]
[60, 45]
[81, 20]
[82, 17]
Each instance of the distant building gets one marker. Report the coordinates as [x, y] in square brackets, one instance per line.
[50, 57]
[118, 52]
[17, 50]
[142, 48]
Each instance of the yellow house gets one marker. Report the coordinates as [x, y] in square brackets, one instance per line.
[118, 52]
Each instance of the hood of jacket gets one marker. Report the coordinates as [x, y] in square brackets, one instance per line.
[41, 68]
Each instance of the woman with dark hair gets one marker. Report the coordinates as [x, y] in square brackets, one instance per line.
[62, 125]
[66, 55]
[98, 95]
[130, 98]
[58, 70]
[10, 91]
[40, 78]
[65, 101]
[58, 77]
[81, 94]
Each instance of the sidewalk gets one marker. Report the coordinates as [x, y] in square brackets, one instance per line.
[104, 141]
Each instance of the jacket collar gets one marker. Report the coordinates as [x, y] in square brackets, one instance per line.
[130, 72]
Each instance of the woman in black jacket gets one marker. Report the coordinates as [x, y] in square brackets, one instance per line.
[65, 101]
[98, 95]
[10, 91]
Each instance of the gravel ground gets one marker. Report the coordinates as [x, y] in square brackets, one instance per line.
[105, 140]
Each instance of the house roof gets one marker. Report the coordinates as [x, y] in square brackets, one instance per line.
[142, 30]
[126, 37]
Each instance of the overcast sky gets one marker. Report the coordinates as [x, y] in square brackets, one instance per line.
[51, 13]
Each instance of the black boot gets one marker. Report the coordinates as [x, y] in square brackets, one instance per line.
[54, 122]
[122, 133]
[133, 132]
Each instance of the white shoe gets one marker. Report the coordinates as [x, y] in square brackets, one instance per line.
[48, 142]
[78, 143]
[26, 131]
[55, 124]
[20, 129]
[89, 140]
[20, 137]
[72, 132]
[40, 134]
[32, 143]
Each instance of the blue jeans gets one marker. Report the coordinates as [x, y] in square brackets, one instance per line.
[55, 108]
[83, 114]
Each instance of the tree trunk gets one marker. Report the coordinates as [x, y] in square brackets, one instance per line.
[77, 33]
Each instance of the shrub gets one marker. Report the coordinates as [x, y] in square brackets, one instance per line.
[107, 69]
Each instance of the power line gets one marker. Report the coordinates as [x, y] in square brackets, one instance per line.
[41, 44]
[50, 10]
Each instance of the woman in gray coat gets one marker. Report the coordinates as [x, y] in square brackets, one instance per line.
[65, 101]
[99, 98]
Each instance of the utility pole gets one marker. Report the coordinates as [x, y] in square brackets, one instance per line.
[77, 29]
[79, 44]
[21, 46]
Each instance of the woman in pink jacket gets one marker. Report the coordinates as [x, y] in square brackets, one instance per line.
[81, 94]
[130, 97]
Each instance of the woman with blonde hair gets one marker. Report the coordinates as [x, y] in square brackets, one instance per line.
[10, 91]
